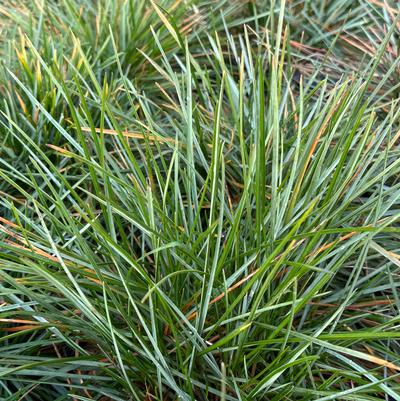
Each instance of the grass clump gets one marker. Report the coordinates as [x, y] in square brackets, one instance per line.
[198, 215]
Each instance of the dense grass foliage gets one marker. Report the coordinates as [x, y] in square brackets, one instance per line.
[199, 200]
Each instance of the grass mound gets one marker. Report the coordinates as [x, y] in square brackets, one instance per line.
[199, 201]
